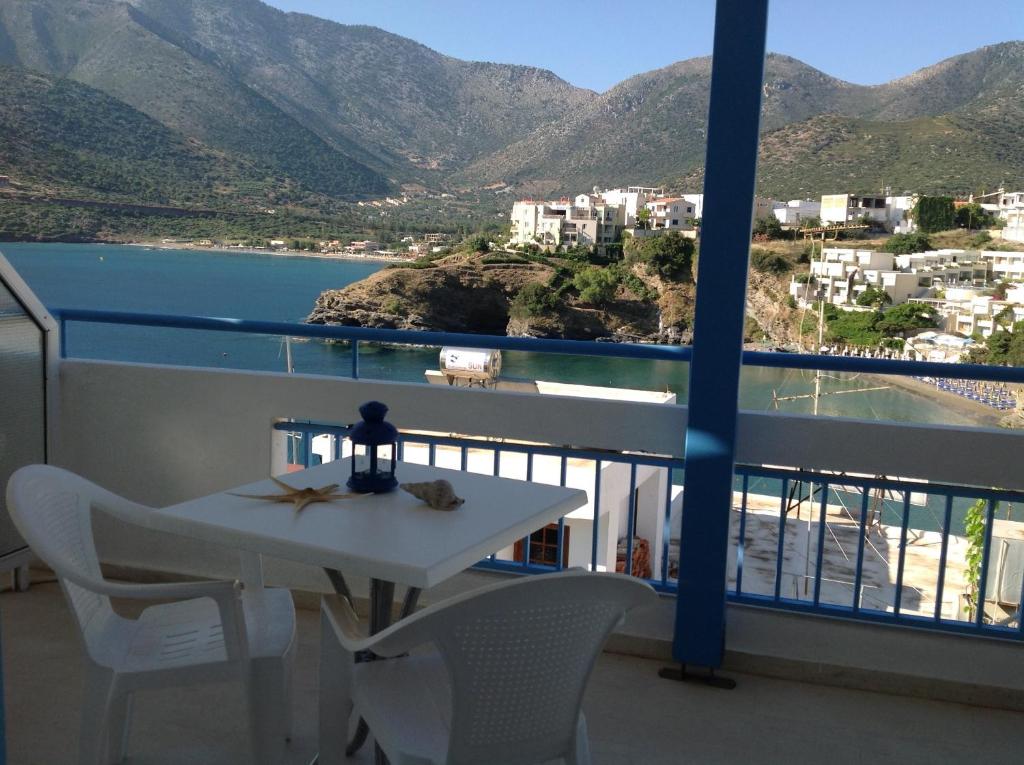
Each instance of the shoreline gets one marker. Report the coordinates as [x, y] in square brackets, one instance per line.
[975, 413]
[273, 253]
[980, 415]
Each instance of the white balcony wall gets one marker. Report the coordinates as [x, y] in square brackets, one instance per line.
[160, 435]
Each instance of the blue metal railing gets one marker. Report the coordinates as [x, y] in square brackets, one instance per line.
[866, 524]
[357, 335]
[822, 580]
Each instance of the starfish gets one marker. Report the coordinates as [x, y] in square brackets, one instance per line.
[300, 497]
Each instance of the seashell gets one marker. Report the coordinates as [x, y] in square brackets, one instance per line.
[438, 494]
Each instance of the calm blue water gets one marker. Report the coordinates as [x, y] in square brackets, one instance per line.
[276, 288]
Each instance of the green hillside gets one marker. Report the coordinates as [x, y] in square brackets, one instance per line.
[118, 50]
[262, 105]
[939, 155]
[61, 138]
[949, 127]
[319, 101]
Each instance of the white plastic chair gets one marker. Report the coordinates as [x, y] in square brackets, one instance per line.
[503, 686]
[216, 631]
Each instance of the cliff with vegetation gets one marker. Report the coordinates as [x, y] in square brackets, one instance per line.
[645, 297]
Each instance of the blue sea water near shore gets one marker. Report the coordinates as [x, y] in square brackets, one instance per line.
[283, 288]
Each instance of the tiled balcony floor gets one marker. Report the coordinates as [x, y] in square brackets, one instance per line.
[634, 717]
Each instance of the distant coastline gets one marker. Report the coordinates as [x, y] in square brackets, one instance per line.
[284, 253]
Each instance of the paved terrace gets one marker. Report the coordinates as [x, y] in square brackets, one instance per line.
[635, 718]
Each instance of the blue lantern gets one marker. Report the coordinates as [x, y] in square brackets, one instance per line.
[373, 466]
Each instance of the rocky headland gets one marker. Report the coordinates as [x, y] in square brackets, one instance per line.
[516, 295]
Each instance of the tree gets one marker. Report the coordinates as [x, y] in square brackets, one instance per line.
[595, 285]
[906, 317]
[812, 221]
[906, 244]
[934, 214]
[853, 327]
[972, 215]
[534, 299]
[768, 227]
[874, 298]
[643, 218]
[669, 255]
[479, 243]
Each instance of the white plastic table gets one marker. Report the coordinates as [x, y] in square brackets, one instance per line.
[390, 538]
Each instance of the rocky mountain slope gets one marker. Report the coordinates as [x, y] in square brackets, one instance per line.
[292, 88]
[353, 110]
[654, 126]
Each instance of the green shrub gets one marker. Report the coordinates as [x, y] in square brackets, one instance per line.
[907, 244]
[980, 239]
[769, 227]
[874, 297]
[636, 285]
[903, 318]
[533, 300]
[503, 258]
[972, 215]
[669, 255]
[768, 262]
[596, 286]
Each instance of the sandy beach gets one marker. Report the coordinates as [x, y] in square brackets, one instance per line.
[980, 414]
[275, 253]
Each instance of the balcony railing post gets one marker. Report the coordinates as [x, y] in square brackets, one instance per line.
[731, 165]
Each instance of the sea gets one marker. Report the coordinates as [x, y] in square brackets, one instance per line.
[283, 288]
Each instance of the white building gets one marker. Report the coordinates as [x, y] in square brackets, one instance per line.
[587, 220]
[984, 314]
[887, 210]
[795, 211]
[631, 199]
[847, 208]
[762, 205]
[1001, 202]
[897, 210]
[1006, 266]
[842, 274]
[1014, 229]
[671, 213]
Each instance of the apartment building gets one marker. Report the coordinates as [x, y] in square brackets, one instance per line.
[886, 210]
[631, 199]
[1006, 266]
[763, 206]
[586, 220]
[795, 211]
[671, 213]
[842, 274]
[845, 208]
[1014, 229]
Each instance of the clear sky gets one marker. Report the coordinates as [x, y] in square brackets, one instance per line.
[597, 43]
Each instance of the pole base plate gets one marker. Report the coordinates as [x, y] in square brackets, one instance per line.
[709, 678]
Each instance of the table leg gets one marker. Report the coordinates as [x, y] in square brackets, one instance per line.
[382, 595]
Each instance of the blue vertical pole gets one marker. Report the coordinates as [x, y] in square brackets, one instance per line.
[730, 174]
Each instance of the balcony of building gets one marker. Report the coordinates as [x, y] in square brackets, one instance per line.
[849, 574]
[634, 716]
[860, 580]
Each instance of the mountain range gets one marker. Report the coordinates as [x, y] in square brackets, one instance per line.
[232, 102]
